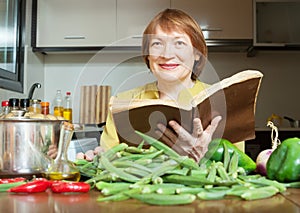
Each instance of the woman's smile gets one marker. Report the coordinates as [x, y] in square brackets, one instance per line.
[169, 66]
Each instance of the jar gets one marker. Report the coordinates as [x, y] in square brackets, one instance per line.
[35, 106]
[24, 104]
[5, 107]
[14, 103]
[45, 108]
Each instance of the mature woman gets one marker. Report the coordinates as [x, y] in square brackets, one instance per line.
[175, 51]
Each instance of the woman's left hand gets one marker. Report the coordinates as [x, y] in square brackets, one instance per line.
[194, 145]
[52, 152]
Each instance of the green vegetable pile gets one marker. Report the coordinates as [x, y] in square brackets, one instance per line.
[159, 176]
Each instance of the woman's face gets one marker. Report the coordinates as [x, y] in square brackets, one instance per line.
[171, 56]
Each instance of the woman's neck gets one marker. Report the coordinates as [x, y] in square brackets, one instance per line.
[170, 91]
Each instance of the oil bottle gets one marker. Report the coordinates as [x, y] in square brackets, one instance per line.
[61, 168]
[58, 104]
[67, 112]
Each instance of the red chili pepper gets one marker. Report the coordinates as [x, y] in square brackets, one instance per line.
[39, 185]
[66, 186]
[12, 180]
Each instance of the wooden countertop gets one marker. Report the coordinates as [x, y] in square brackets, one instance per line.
[87, 202]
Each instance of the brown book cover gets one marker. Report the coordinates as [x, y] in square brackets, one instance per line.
[234, 98]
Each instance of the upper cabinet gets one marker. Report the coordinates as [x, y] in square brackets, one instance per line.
[230, 19]
[93, 24]
[133, 16]
[75, 23]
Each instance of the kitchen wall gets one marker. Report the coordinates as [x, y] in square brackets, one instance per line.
[124, 70]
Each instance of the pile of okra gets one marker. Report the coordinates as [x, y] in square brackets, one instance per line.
[159, 176]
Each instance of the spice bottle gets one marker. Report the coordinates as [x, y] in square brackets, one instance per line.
[5, 108]
[14, 103]
[58, 104]
[67, 113]
[35, 106]
[61, 168]
[45, 107]
[24, 104]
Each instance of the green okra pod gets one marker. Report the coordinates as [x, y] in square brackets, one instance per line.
[158, 145]
[222, 172]
[134, 150]
[119, 196]
[136, 172]
[226, 158]
[189, 190]
[233, 164]
[150, 155]
[119, 172]
[187, 180]
[125, 164]
[161, 199]
[112, 151]
[260, 193]
[211, 195]
[114, 189]
[266, 182]
[6, 186]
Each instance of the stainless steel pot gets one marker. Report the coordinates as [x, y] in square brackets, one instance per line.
[24, 144]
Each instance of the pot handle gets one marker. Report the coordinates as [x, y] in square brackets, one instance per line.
[289, 119]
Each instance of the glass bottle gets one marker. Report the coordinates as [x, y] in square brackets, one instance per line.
[61, 168]
[45, 107]
[58, 104]
[5, 108]
[67, 113]
[24, 104]
[35, 106]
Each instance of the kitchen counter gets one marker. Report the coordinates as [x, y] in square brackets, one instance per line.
[87, 202]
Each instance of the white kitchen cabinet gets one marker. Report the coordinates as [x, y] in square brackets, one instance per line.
[75, 23]
[219, 19]
[132, 18]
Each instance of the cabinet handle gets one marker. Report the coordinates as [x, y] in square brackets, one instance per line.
[74, 37]
[212, 29]
[137, 37]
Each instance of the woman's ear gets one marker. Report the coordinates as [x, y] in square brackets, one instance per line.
[197, 57]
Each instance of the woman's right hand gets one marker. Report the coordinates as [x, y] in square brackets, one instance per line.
[194, 145]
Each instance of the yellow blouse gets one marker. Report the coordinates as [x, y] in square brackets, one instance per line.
[109, 137]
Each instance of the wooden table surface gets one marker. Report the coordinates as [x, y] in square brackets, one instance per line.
[288, 202]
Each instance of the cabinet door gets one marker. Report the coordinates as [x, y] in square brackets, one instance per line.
[133, 16]
[75, 23]
[219, 19]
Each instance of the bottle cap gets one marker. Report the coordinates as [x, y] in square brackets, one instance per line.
[14, 102]
[35, 101]
[24, 103]
[44, 104]
[5, 103]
